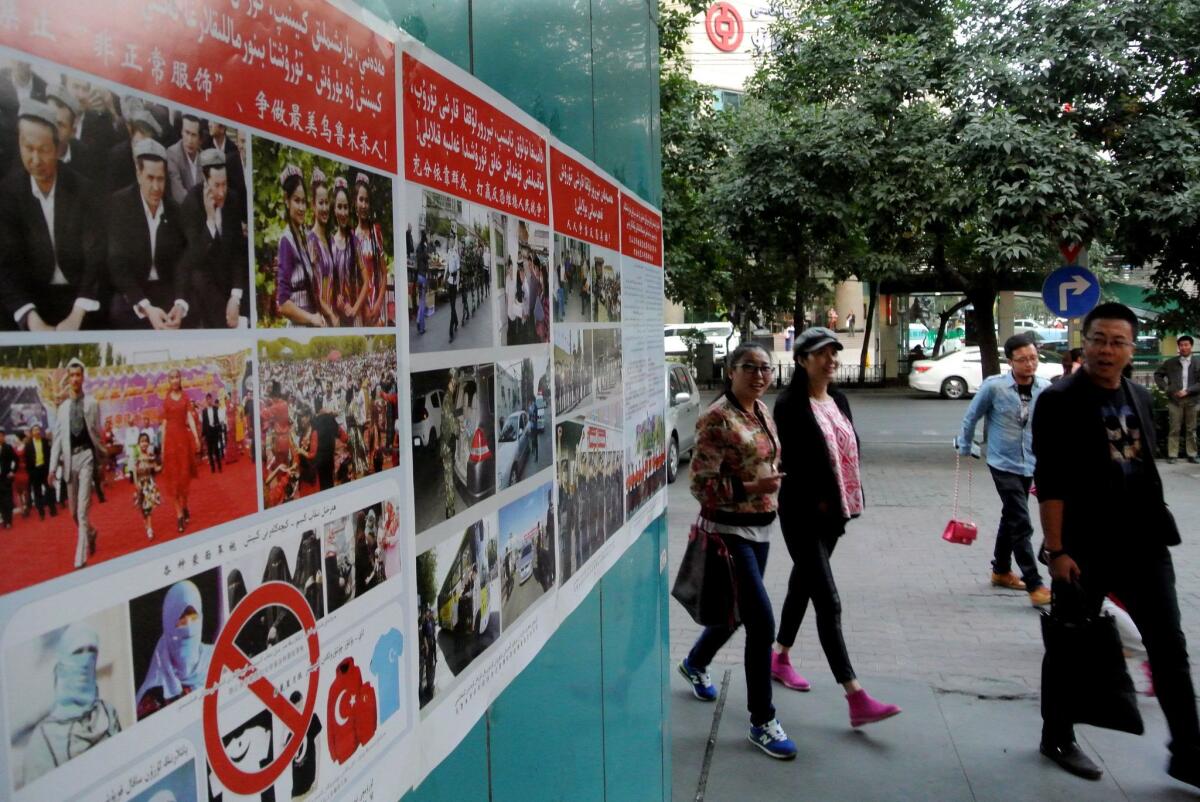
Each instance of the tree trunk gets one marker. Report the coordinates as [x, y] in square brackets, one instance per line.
[868, 324]
[943, 319]
[984, 300]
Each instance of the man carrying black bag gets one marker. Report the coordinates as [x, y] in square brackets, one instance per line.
[1107, 530]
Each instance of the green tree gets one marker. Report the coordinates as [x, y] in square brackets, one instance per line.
[427, 577]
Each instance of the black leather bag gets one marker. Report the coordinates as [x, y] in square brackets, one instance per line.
[706, 584]
[1084, 674]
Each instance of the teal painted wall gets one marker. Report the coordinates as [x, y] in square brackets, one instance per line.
[587, 720]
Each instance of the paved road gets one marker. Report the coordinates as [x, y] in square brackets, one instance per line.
[913, 605]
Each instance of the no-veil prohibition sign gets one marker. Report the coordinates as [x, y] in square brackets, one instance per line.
[228, 656]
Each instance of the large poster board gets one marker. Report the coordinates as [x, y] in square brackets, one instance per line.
[287, 507]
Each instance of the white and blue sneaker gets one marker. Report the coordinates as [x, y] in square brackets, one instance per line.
[771, 738]
[702, 687]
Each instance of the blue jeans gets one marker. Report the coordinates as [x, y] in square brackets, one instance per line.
[749, 563]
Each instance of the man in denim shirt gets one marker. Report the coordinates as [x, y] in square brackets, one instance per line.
[1007, 402]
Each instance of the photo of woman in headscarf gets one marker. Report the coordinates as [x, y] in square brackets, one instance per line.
[78, 718]
[308, 573]
[179, 663]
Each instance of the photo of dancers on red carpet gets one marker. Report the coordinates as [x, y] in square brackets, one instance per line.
[328, 412]
[101, 447]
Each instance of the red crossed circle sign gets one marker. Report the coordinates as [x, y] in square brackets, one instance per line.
[228, 656]
[724, 27]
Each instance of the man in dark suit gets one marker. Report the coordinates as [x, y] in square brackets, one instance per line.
[71, 152]
[1108, 530]
[37, 464]
[122, 170]
[17, 83]
[216, 253]
[96, 126]
[210, 427]
[1179, 378]
[51, 250]
[146, 242]
[220, 139]
[8, 466]
[183, 159]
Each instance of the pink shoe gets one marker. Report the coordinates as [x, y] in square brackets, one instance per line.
[865, 710]
[1149, 677]
[781, 669]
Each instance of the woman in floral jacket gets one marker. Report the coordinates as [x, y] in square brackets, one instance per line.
[736, 479]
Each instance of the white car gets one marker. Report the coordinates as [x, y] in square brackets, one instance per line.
[673, 341]
[959, 374]
[525, 563]
[512, 448]
[683, 410]
[721, 335]
[427, 418]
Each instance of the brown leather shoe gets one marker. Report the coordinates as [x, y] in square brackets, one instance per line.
[1040, 597]
[1009, 580]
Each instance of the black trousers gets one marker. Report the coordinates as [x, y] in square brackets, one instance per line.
[1014, 537]
[212, 444]
[453, 288]
[1143, 578]
[6, 500]
[812, 580]
[43, 495]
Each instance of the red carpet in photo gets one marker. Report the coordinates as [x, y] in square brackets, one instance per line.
[34, 551]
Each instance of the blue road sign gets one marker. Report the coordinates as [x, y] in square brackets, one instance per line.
[1071, 291]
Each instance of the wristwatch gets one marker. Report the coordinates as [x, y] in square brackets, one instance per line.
[1051, 556]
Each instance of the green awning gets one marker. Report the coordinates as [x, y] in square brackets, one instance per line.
[1134, 297]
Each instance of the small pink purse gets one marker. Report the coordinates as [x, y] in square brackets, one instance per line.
[959, 530]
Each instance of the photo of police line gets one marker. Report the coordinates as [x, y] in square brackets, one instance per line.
[85, 685]
[117, 211]
[591, 495]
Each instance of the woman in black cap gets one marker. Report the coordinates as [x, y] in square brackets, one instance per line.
[822, 490]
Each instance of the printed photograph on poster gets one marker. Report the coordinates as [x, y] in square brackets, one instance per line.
[591, 499]
[329, 415]
[178, 786]
[162, 446]
[294, 560]
[172, 631]
[527, 571]
[574, 382]
[523, 445]
[116, 170]
[361, 551]
[449, 246]
[458, 615]
[646, 461]
[251, 748]
[67, 691]
[606, 363]
[323, 241]
[453, 441]
[522, 259]
[587, 282]
[305, 772]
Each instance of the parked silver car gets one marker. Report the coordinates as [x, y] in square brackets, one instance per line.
[683, 410]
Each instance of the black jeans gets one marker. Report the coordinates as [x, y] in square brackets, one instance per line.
[1143, 578]
[749, 563]
[453, 289]
[812, 579]
[1014, 537]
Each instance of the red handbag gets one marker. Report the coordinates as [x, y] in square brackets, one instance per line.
[959, 530]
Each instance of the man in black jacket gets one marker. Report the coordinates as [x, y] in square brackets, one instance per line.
[146, 242]
[1107, 529]
[1179, 378]
[51, 245]
[216, 256]
[8, 466]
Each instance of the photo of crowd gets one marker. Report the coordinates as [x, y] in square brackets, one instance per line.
[329, 412]
[173, 630]
[323, 241]
[458, 604]
[573, 378]
[449, 247]
[522, 280]
[69, 690]
[591, 498]
[523, 444]
[645, 462]
[527, 552]
[587, 282]
[116, 211]
[108, 448]
[454, 441]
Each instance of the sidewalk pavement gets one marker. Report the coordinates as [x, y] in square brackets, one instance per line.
[926, 630]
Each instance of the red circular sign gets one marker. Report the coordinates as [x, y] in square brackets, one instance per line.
[227, 655]
[724, 26]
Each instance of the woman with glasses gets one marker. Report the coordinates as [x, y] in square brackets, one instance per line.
[822, 493]
[736, 479]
